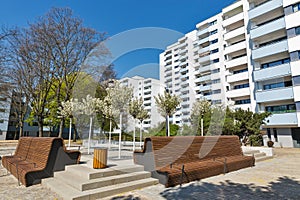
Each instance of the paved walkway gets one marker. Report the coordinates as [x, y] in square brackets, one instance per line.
[278, 178]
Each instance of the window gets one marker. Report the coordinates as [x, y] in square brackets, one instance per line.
[215, 60]
[2, 110]
[3, 99]
[297, 30]
[214, 41]
[244, 101]
[215, 81]
[216, 91]
[246, 85]
[213, 32]
[218, 101]
[275, 63]
[213, 23]
[1, 121]
[281, 108]
[215, 71]
[296, 7]
[214, 51]
[299, 55]
[240, 71]
[278, 85]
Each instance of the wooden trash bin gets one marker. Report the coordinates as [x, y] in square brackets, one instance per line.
[100, 158]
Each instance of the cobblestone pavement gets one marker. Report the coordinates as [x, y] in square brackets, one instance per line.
[277, 178]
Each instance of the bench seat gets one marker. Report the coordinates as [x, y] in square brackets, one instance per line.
[181, 159]
[38, 158]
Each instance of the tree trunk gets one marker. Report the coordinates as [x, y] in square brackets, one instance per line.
[90, 133]
[40, 123]
[120, 135]
[74, 133]
[167, 126]
[61, 127]
[70, 132]
[133, 146]
[109, 137]
[21, 129]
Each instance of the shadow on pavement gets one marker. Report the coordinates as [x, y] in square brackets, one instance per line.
[282, 188]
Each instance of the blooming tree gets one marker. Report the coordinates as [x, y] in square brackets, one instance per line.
[120, 97]
[166, 105]
[135, 108]
[66, 110]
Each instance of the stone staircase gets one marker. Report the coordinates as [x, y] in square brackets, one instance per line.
[259, 156]
[83, 182]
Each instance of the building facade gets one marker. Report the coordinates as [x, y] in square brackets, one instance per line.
[247, 56]
[147, 89]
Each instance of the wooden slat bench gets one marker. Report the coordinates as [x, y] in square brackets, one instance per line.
[36, 158]
[177, 160]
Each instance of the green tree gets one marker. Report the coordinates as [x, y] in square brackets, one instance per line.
[229, 127]
[166, 105]
[249, 123]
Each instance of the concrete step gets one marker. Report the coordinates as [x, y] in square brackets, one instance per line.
[256, 155]
[263, 158]
[250, 152]
[89, 173]
[67, 192]
[83, 185]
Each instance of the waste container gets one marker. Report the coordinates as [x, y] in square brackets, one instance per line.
[100, 158]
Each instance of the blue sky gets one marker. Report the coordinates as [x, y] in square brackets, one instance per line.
[116, 16]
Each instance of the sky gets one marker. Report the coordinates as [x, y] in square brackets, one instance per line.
[126, 23]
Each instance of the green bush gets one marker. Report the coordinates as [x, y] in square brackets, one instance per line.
[256, 140]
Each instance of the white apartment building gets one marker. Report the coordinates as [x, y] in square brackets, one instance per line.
[177, 74]
[147, 89]
[248, 56]
[4, 116]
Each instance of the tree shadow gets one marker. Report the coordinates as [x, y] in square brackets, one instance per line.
[129, 197]
[283, 188]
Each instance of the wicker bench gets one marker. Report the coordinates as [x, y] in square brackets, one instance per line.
[36, 158]
[177, 160]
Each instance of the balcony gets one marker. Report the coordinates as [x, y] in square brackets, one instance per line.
[264, 8]
[236, 62]
[204, 59]
[243, 106]
[271, 49]
[277, 94]
[268, 28]
[203, 78]
[205, 88]
[203, 40]
[234, 33]
[284, 119]
[235, 47]
[202, 50]
[204, 69]
[238, 77]
[238, 93]
[233, 19]
[201, 32]
[273, 72]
